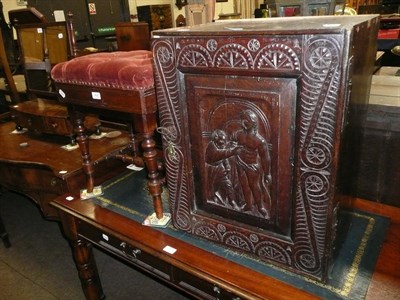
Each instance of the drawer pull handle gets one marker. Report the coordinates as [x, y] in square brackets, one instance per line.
[217, 290]
[136, 252]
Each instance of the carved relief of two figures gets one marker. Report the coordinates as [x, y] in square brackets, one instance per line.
[239, 168]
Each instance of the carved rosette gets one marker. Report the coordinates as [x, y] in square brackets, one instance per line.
[318, 67]
[273, 251]
[207, 231]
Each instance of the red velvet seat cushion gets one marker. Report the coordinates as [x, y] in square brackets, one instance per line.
[130, 70]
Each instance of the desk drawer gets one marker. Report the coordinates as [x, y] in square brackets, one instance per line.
[43, 124]
[184, 280]
[31, 178]
[125, 250]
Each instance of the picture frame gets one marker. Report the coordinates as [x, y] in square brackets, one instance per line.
[22, 2]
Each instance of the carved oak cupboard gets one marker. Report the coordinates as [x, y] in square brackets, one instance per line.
[257, 117]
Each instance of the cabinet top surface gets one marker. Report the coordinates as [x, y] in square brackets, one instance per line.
[288, 25]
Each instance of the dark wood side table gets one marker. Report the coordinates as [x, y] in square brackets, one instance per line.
[47, 116]
[39, 168]
[193, 270]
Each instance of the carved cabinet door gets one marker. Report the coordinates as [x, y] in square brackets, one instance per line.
[242, 142]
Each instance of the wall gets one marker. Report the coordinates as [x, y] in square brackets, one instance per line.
[9, 5]
[223, 7]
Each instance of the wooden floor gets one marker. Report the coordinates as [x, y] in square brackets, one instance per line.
[385, 283]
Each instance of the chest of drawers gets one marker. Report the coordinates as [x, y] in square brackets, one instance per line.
[43, 116]
[132, 36]
[257, 117]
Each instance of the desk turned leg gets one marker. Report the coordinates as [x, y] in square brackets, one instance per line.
[83, 258]
[87, 269]
[4, 234]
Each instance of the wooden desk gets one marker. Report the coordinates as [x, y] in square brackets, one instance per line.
[193, 270]
[39, 168]
[385, 283]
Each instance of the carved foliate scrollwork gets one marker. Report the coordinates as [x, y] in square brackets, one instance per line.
[170, 118]
[317, 127]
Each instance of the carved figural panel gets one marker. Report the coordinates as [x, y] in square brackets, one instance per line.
[240, 166]
[249, 130]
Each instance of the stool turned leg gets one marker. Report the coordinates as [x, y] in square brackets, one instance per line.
[154, 182]
[87, 164]
[146, 125]
[134, 144]
[83, 143]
